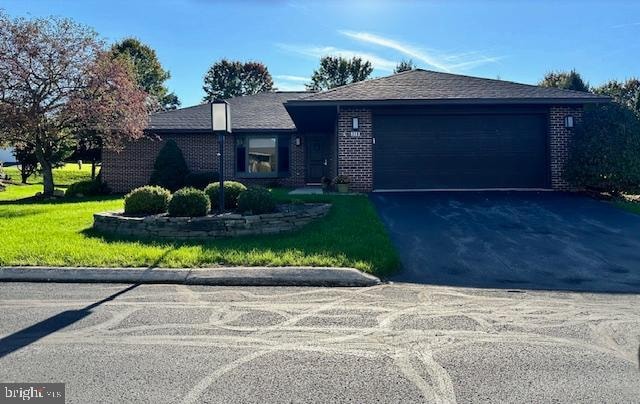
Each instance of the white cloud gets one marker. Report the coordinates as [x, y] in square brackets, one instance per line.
[287, 77]
[631, 24]
[398, 46]
[286, 86]
[437, 60]
[317, 52]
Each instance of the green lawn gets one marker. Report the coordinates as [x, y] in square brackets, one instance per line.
[631, 206]
[59, 233]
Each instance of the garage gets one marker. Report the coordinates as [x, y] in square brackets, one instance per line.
[461, 150]
[429, 130]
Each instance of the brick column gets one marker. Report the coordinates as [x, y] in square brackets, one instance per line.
[229, 157]
[355, 150]
[559, 142]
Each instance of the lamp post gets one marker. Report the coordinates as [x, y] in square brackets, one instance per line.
[221, 125]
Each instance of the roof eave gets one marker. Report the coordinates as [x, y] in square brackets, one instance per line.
[452, 101]
[208, 131]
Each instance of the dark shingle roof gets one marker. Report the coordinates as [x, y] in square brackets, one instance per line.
[425, 85]
[264, 111]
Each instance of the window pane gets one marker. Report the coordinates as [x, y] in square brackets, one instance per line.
[262, 155]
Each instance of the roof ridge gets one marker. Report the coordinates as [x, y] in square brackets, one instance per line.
[453, 84]
[288, 91]
[361, 82]
[238, 96]
[177, 109]
[502, 81]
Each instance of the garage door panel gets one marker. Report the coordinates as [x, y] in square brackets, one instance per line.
[460, 151]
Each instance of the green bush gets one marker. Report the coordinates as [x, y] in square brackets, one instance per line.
[189, 202]
[200, 180]
[148, 200]
[169, 169]
[87, 188]
[232, 191]
[256, 200]
[605, 151]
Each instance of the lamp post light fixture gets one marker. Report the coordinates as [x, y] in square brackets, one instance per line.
[221, 125]
[568, 121]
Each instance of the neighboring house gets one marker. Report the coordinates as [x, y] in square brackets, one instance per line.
[6, 156]
[414, 130]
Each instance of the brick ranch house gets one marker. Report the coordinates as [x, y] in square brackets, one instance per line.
[413, 130]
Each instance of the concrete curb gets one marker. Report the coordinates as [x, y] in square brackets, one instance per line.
[222, 276]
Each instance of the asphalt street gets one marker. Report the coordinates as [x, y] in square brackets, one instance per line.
[113, 343]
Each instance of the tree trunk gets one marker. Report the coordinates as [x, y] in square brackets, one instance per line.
[24, 177]
[47, 178]
[45, 166]
[93, 170]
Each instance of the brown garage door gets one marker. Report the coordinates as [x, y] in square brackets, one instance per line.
[460, 151]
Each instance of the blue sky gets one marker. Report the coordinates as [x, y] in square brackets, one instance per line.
[517, 41]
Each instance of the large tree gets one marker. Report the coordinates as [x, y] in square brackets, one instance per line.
[229, 78]
[150, 75]
[626, 93]
[338, 71]
[566, 80]
[56, 81]
[605, 151]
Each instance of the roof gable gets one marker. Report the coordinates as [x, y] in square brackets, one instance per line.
[426, 85]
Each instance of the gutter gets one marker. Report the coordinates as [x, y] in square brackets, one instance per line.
[453, 101]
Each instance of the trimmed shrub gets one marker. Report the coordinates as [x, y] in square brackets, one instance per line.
[147, 200]
[87, 188]
[189, 202]
[256, 200]
[232, 190]
[605, 151]
[200, 180]
[169, 169]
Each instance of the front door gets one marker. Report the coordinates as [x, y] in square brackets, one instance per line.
[317, 155]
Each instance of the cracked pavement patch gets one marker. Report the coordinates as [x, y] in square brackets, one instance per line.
[387, 343]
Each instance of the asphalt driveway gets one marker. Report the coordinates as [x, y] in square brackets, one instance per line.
[523, 240]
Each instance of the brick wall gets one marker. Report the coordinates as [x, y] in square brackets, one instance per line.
[333, 155]
[132, 167]
[355, 151]
[559, 142]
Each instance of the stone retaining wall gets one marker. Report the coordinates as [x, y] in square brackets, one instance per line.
[288, 217]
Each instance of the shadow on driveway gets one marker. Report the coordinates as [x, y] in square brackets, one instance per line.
[31, 334]
[513, 240]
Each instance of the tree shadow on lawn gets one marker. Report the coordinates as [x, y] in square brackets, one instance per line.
[20, 213]
[38, 200]
[284, 249]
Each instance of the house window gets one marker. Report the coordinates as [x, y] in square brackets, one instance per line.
[262, 156]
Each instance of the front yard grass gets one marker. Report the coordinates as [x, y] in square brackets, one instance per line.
[58, 233]
[632, 206]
